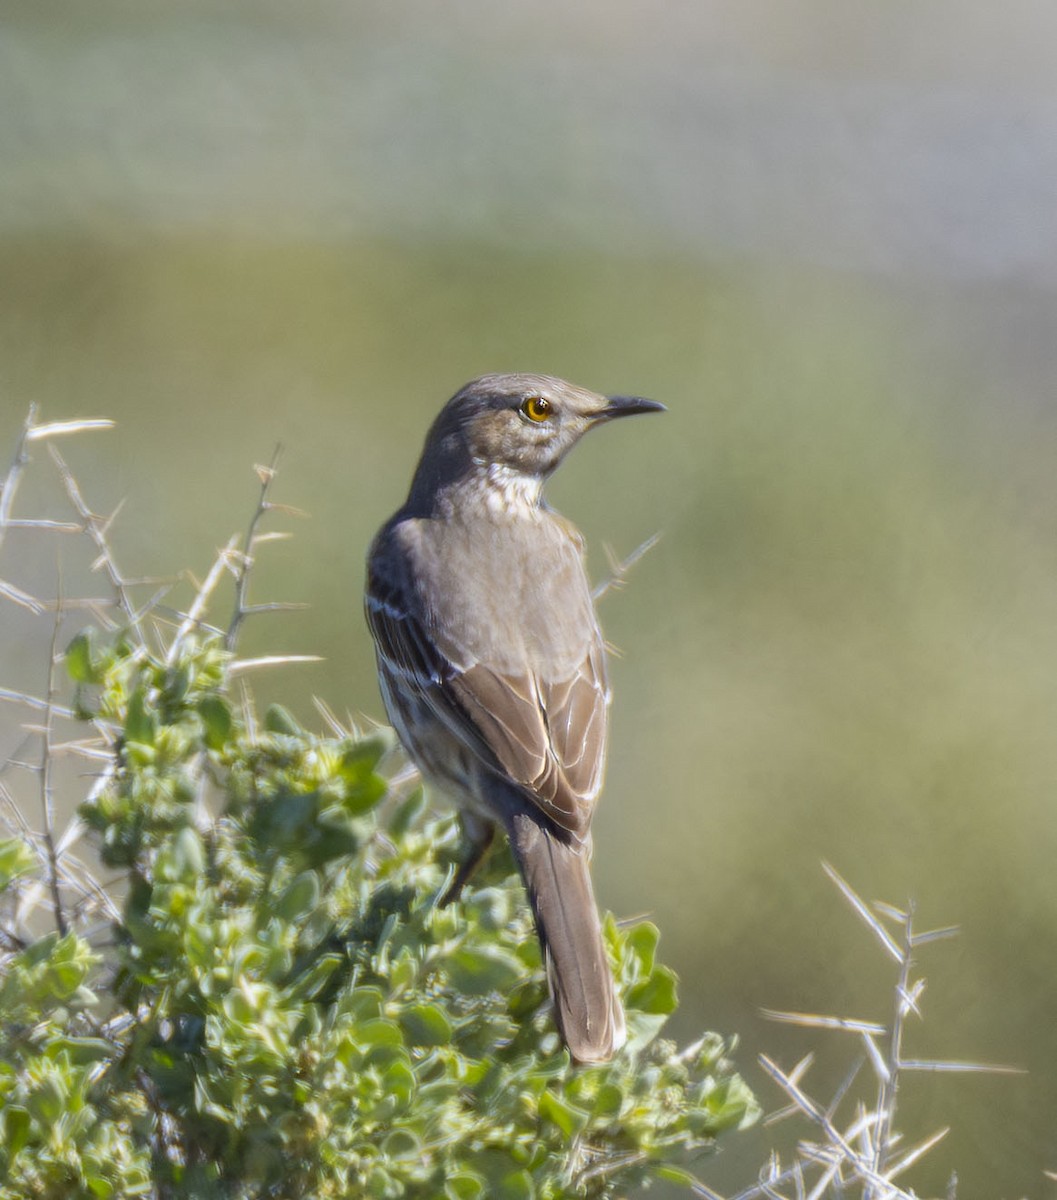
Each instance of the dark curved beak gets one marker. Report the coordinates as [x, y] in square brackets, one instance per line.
[627, 406]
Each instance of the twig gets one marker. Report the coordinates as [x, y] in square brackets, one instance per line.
[17, 596]
[620, 569]
[40, 433]
[868, 1151]
[14, 474]
[96, 527]
[16, 821]
[836, 1140]
[331, 720]
[956, 1067]
[274, 606]
[198, 606]
[43, 523]
[867, 917]
[818, 1021]
[242, 573]
[241, 665]
[888, 1083]
[34, 702]
[46, 791]
[919, 1151]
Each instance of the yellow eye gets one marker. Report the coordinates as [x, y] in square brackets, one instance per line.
[536, 408]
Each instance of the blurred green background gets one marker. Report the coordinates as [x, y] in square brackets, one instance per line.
[823, 234]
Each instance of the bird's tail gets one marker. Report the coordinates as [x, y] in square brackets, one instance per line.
[557, 875]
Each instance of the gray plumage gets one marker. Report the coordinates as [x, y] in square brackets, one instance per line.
[492, 665]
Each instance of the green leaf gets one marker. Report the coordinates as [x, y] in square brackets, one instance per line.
[67, 966]
[643, 1028]
[81, 1051]
[464, 1186]
[175, 684]
[140, 722]
[401, 1143]
[570, 1120]
[478, 970]
[43, 948]
[189, 856]
[515, 1186]
[408, 813]
[379, 1032]
[506, 1180]
[672, 1174]
[16, 1129]
[99, 1186]
[301, 897]
[641, 941]
[16, 858]
[361, 757]
[399, 1082]
[364, 795]
[426, 1025]
[311, 982]
[608, 1101]
[82, 658]
[280, 720]
[216, 720]
[655, 995]
[382, 1186]
[49, 1098]
[365, 1003]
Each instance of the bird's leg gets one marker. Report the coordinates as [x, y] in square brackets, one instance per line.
[480, 835]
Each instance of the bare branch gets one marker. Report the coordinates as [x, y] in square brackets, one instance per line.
[890, 911]
[40, 433]
[242, 574]
[34, 702]
[43, 523]
[845, 1085]
[17, 596]
[953, 1066]
[46, 789]
[818, 1021]
[15, 818]
[919, 1151]
[888, 1081]
[867, 917]
[702, 1189]
[14, 474]
[620, 569]
[194, 614]
[869, 1150]
[331, 720]
[96, 527]
[935, 935]
[275, 606]
[242, 665]
[877, 1061]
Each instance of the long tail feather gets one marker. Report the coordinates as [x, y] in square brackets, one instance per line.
[557, 876]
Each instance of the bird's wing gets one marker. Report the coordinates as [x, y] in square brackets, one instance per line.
[549, 736]
[546, 735]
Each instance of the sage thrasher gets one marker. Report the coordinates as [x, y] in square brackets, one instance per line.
[492, 665]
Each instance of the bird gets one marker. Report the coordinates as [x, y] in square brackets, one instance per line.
[492, 665]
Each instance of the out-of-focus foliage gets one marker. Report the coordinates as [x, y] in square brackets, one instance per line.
[284, 1009]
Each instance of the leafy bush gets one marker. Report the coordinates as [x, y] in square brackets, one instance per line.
[291, 1012]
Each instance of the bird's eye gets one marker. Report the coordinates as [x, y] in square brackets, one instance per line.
[536, 408]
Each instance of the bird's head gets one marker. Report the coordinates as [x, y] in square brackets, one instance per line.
[519, 425]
